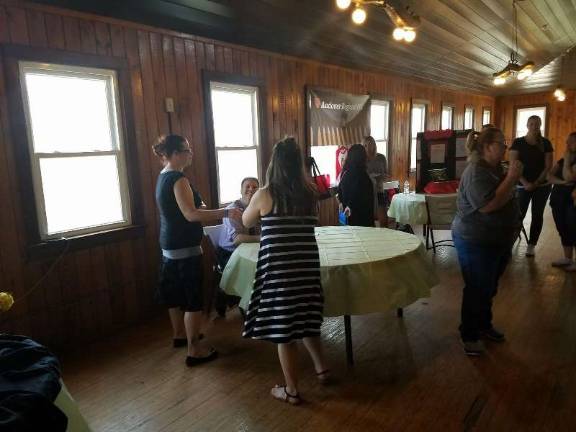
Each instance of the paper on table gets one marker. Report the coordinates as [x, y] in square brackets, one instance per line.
[461, 147]
[437, 153]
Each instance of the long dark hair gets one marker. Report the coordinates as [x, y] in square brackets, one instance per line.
[355, 159]
[292, 193]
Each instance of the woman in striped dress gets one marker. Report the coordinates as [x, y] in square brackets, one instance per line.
[287, 301]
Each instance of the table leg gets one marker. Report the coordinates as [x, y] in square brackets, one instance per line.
[400, 312]
[348, 335]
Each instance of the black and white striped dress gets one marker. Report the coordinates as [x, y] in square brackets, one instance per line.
[287, 301]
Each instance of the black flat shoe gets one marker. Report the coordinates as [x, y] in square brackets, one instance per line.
[182, 342]
[195, 361]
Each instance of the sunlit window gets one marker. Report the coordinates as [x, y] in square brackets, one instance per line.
[469, 118]
[418, 124]
[522, 115]
[77, 154]
[486, 116]
[447, 116]
[379, 119]
[235, 117]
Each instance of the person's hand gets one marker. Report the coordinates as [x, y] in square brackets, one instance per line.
[235, 213]
[347, 212]
[340, 208]
[515, 170]
[530, 187]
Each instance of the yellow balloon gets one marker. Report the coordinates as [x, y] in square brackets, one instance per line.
[6, 301]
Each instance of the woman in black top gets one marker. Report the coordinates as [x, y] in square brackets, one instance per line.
[563, 177]
[535, 153]
[180, 287]
[356, 191]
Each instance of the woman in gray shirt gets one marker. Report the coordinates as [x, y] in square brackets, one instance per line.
[484, 230]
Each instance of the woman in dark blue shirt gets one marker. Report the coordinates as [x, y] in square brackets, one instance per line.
[180, 287]
[535, 153]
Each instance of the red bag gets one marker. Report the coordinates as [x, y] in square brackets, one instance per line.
[322, 181]
[443, 187]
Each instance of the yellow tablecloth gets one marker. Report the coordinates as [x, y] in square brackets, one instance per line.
[408, 209]
[363, 270]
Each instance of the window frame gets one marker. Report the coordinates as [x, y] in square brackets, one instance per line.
[452, 117]
[35, 244]
[426, 104]
[517, 107]
[232, 80]
[374, 99]
[35, 157]
[484, 110]
[466, 108]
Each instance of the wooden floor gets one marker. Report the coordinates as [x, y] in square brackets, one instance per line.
[410, 373]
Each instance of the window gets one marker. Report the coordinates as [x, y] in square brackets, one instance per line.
[486, 116]
[418, 124]
[236, 136]
[379, 121]
[76, 150]
[522, 115]
[447, 117]
[468, 118]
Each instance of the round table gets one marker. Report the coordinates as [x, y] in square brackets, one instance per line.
[363, 270]
[408, 209]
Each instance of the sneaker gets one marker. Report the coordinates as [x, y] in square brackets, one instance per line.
[530, 250]
[571, 268]
[562, 262]
[474, 348]
[493, 335]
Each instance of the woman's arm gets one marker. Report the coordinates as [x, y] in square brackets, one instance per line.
[261, 203]
[505, 190]
[185, 199]
[553, 175]
[569, 170]
[547, 167]
[246, 238]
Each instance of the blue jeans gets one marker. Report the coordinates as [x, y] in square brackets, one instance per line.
[481, 268]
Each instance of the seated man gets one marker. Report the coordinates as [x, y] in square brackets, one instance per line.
[234, 233]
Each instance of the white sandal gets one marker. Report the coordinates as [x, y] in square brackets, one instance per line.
[280, 393]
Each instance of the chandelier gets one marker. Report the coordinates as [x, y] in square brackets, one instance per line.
[514, 68]
[403, 31]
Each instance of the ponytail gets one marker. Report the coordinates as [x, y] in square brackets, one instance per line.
[476, 142]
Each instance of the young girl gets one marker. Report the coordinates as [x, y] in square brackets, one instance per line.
[287, 301]
[563, 177]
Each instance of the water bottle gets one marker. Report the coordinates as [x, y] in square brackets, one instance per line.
[406, 187]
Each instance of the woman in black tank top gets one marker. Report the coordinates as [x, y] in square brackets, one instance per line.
[181, 218]
[563, 177]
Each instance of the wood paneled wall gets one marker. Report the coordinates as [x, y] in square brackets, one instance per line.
[561, 116]
[92, 292]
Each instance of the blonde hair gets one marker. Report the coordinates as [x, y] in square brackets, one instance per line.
[476, 142]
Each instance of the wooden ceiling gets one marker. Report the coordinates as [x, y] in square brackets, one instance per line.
[460, 43]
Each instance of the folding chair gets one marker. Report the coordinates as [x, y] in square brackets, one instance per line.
[441, 210]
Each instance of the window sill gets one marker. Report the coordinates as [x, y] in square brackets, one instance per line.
[45, 249]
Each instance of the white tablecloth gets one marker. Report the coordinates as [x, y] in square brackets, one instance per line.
[408, 209]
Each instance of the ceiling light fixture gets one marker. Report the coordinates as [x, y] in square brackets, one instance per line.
[560, 93]
[513, 68]
[405, 27]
